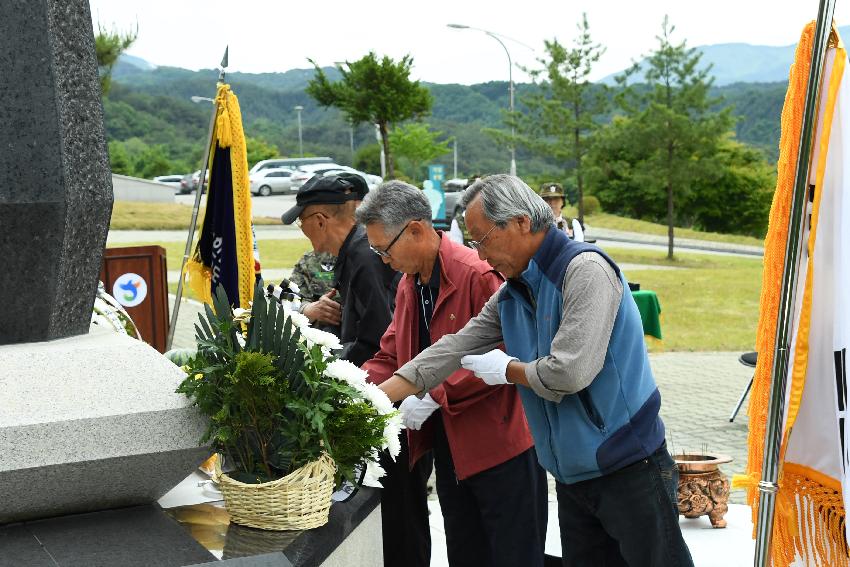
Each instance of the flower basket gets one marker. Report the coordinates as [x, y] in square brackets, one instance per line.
[299, 501]
[291, 419]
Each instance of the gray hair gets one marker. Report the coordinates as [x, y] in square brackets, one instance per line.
[504, 197]
[393, 204]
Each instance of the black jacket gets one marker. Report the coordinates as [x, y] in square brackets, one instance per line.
[367, 289]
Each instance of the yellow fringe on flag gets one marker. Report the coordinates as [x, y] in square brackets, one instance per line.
[809, 520]
[774, 256]
[228, 133]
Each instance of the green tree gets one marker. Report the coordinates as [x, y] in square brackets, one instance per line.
[258, 150]
[672, 127]
[153, 161]
[119, 161]
[373, 91]
[562, 113]
[418, 144]
[108, 46]
[737, 198]
[368, 158]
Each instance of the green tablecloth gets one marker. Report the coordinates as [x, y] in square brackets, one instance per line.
[650, 312]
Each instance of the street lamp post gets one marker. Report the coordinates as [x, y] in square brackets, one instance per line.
[298, 109]
[510, 80]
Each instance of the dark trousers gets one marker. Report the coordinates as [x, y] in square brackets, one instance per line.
[628, 517]
[496, 517]
[404, 509]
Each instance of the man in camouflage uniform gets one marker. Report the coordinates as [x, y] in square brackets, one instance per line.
[314, 274]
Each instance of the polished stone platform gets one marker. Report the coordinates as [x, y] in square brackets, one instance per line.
[352, 536]
[194, 535]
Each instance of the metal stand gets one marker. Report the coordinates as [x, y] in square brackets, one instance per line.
[747, 359]
[195, 209]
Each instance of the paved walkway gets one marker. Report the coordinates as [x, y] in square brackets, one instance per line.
[691, 245]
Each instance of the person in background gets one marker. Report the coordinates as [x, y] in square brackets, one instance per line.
[324, 210]
[574, 349]
[492, 492]
[553, 194]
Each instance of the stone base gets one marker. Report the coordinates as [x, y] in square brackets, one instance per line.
[91, 422]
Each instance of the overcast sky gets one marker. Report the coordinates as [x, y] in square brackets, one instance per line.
[269, 36]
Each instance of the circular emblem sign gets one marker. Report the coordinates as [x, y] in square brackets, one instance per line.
[130, 290]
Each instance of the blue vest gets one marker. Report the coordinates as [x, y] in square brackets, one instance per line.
[613, 422]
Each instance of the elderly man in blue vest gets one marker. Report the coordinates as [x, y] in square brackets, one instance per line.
[573, 347]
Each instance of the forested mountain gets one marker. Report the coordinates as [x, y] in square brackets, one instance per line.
[149, 113]
[746, 63]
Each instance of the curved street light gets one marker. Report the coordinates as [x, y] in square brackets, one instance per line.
[510, 77]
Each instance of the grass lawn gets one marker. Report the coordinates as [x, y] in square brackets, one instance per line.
[711, 303]
[129, 215]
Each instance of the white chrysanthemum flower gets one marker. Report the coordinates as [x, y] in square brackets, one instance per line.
[298, 319]
[392, 431]
[374, 472]
[347, 372]
[378, 398]
[293, 287]
[321, 338]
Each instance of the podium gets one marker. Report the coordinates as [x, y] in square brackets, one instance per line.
[136, 276]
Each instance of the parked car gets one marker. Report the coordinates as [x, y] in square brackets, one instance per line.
[170, 180]
[185, 184]
[189, 182]
[305, 172]
[453, 189]
[267, 181]
[291, 163]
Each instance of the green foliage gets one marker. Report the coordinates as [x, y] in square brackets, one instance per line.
[737, 198]
[591, 205]
[152, 162]
[417, 143]
[108, 47]
[375, 92]
[368, 158]
[258, 150]
[119, 161]
[154, 107]
[271, 407]
[562, 115]
[668, 142]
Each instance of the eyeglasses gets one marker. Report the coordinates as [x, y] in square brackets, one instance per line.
[385, 253]
[300, 222]
[479, 244]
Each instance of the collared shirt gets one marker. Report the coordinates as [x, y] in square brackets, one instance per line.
[427, 294]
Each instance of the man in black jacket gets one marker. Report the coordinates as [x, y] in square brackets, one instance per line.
[324, 210]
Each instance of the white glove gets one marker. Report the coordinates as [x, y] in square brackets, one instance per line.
[415, 411]
[490, 367]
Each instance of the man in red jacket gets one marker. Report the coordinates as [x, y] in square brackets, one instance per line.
[492, 491]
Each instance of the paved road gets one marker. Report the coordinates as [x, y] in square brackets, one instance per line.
[272, 206]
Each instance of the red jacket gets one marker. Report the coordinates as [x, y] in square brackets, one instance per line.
[485, 425]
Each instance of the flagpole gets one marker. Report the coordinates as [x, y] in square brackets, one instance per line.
[195, 209]
[768, 486]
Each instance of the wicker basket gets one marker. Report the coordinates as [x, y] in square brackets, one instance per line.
[299, 501]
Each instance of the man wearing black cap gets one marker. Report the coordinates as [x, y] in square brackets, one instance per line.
[324, 209]
[314, 274]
